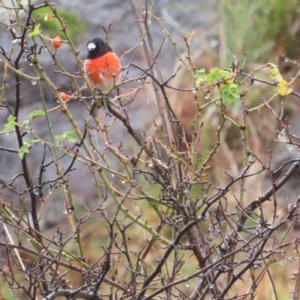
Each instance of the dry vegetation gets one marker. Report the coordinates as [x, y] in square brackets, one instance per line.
[191, 210]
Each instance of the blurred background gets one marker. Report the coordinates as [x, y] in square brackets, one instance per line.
[85, 21]
[255, 31]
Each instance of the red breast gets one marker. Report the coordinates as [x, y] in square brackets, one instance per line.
[102, 66]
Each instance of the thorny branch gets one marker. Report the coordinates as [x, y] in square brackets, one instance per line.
[159, 221]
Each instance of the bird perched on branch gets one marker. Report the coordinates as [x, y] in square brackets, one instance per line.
[102, 65]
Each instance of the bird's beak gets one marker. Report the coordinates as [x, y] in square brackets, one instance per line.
[91, 46]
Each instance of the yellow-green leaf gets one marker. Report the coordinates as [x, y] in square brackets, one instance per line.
[35, 31]
[284, 88]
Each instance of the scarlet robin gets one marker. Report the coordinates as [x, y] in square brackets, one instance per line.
[102, 65]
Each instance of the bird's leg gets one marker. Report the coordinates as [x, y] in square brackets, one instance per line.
[104, 103]
[92, 111]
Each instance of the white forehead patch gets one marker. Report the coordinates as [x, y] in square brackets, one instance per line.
[91, 46]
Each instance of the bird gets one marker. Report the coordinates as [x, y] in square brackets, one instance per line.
[102, 65]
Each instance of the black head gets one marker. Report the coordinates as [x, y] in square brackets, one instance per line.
[96, 48]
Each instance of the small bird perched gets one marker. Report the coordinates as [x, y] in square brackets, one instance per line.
[102, 65]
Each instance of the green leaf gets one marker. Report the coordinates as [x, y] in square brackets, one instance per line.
[200, 73]
[71, 136]
[200, 77]
[6, 292]
[214, 75]
[25, 148]
[34, 114]
[35, 31]
[230, 92]
[217, 74]
[67, 135]
[11, 123]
